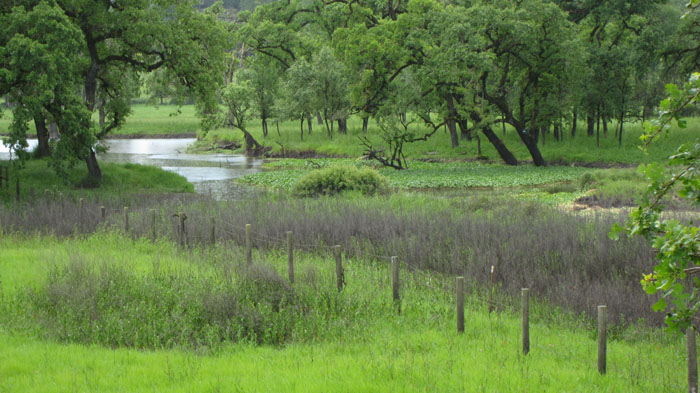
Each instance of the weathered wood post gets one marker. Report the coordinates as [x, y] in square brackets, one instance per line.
[602, 339]
[395, 282]
[126, 219]
[81, 204]
[212, 230]
[491, 305]
[248, 246]
[524, 295]
[183, 234]
[290, 255]
[692, 360]
[339, 274]
[103, 212]
[459, 295]
[153, 224]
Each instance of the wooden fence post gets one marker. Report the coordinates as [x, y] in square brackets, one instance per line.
[602, 339]
[81, 204]
[459, 295]
[103, 212]
[290, 255]
[692, 360]
[491, 305]
[212, 230]
[126, 219]
[183, 234]
[524, 294]
[339, 274]
[395, 281]
[248, 246]
[153, 224]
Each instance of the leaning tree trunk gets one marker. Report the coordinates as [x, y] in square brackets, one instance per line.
[252, 147]
[93, 167]
[530, 142]
[500, 147]
[42, 135]
[264, 127]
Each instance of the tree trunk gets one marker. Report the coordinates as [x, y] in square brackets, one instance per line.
[622, 121]
[252, 147]
[264, 127]
[102, 114]
[557, 131]
[532, 148]
[605, 126]
[591, 124]
[365, 123]
[543, 131]
[42, 135]
[500, 147]
[319, 119]
[308, 124]
[464, 133]
[452, 113]
[573, 122]
[301, 129]
[93, 167]
[343, 126]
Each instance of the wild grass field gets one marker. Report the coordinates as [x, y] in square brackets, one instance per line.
[89, 305]
[56, 330]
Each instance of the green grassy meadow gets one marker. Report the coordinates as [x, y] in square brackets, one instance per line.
[371, 349]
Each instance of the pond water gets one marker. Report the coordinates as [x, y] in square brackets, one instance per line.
[210, 173]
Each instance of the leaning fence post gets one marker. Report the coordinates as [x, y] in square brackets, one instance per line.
[395, 281]
[692, 360]
[248, 246]
[126, 219]
[459, 294]
[526, 320]
[290, 255]
[602, 337]
[339, 275]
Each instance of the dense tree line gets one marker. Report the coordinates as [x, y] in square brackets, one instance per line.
[542, 67]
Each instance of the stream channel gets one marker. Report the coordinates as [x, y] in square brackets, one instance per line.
[211, 174]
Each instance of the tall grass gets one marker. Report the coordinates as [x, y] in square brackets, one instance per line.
[566, 259]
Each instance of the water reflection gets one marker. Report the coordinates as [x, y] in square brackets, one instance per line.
[210, 174]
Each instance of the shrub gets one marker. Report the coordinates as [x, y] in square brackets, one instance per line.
[116, 306]
[337, 179]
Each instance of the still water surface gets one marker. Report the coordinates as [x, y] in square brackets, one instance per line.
[210, 173]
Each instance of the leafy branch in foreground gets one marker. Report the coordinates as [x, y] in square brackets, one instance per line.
[678, 243]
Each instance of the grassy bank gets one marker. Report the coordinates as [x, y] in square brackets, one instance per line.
[352, 341]
[169, 120]
[118, 179]
[144, 121]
